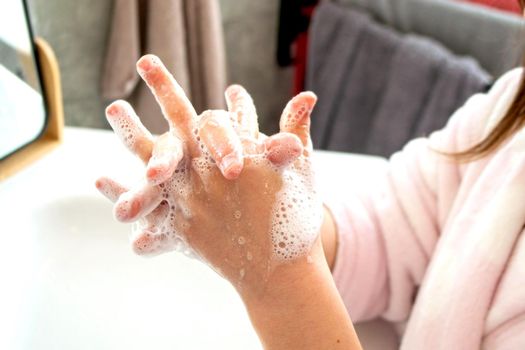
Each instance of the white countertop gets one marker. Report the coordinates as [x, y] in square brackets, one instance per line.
[70, 281]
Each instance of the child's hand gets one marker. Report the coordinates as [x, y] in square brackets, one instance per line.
[217, 188]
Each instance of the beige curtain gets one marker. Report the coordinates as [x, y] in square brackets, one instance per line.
[186, 34]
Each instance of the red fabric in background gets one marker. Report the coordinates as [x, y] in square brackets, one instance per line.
[301, 46]
[292, 38]
[505, 5]
[301, 53]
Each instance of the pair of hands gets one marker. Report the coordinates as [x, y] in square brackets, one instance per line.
[215, 186]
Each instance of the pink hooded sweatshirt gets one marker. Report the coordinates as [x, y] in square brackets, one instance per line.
[437, 247]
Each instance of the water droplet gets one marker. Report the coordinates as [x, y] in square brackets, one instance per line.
[237, 214]
[249, 256]
[242, 273]
[241, 240]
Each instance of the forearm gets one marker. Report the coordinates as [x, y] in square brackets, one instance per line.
[302, 309]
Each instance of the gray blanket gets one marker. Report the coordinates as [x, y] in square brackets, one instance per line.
[377, 88]
[493, 38]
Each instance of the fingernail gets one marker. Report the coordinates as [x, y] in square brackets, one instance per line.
[143, 244]
[145, 64]
[112, 110]
[231, 166]
[99, 184]
[233, 91]
[156, 172]
[127, 209]
[120, 211]
[152, 173]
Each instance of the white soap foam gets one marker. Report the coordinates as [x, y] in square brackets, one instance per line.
[294, 224]
[159, 228]
[162, 228]
[122, 128]
[297, 214]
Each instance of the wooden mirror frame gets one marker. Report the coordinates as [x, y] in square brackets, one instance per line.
[52, 135]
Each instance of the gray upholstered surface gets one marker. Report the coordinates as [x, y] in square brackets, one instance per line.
[493, 37]
[379, 88]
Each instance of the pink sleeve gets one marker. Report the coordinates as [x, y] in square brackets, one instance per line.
[388, 228]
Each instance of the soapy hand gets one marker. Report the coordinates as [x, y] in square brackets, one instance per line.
[214, 186]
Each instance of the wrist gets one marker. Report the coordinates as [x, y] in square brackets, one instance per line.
[300, 308]
[289, 279]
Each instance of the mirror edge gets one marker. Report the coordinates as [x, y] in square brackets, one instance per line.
[53, 132]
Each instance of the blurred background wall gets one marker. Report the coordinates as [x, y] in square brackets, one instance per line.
[78, 32]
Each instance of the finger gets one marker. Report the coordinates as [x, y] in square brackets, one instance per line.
[296, 117]
[137, 202]
[283, 148]
[129, 129]
[166, 155]
[110, 188]
[159, 215]
[219, 137]
[147, 239]
[240, 103]
[175, 106]
[150, 243]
